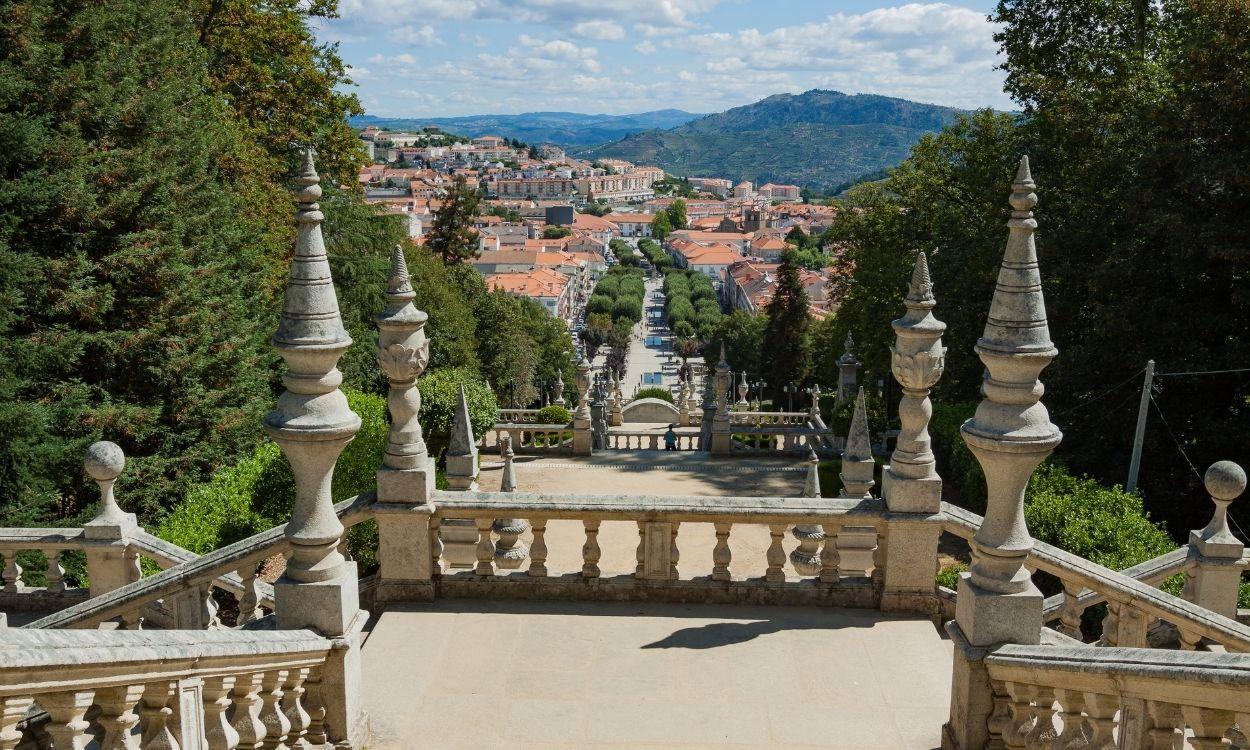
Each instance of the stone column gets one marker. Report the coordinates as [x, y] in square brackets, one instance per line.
[722, 439]
[848, 372]
[618, 401]
[1010, 435]
[1214, 582]
[108, 534]
[910, 484]
[583, 438]
[742, 390]
[312, 424]
[406, 477]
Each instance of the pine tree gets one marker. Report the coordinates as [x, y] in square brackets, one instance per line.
[453, 237]
[661, 226]
[787, 343]
[128, 274]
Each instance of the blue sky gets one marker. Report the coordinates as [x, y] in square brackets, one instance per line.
[427, 58]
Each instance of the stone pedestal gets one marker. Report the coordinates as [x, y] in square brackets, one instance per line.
[325, 606]
[403, 515]
[911, 565]
[907, 495]
[341, 689]
[972, 697]
[583, 437]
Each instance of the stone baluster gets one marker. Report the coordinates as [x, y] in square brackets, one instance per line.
[293, 708]
[436, 546]
[406, 478]
[315, 701]
[509, 551]
[249, 600]
[674, 553]
[194, 607]
[722, 556]
[109, 533]
[156, 714]
[640, 552]
[131, 620]
[55, 572]
[13, 710]
[246, 721]
[12, 574]
[1071, 718]
[583, 426]
[999, 720]
[590, 550]
[1214, 582]
[271, 714]
[1209, 726]
[721, 437]
[1020, 716]
[805, 559]
[1042, 735]
[776, 554]
[910, 484]
[1009, 435]
[830, 558]
[1070, 615]
[538, 549]
[485, 548]
[742, 390]
[218, 732]
[312, 423]
[67, 724]
[1162, 721]
[117, 716]
[1101, 710]
[848, 372]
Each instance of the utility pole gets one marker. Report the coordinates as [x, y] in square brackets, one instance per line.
[1134, 464]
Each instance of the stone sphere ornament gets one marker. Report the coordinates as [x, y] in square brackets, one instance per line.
[1225, 480]
[104, 461]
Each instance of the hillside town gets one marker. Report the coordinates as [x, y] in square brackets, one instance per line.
[549, 219]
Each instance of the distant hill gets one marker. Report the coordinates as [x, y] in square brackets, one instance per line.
[817, 139]
[563, 128]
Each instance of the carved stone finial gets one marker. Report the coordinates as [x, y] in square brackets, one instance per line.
[583, 389]
[917, 360]
[811, 488]
[312, 422]
[1225, 481]
[508, 482]
[104, 462]
[1011, 432]
[858, 466]
[848, 371]
[559, 389]
[403, 353]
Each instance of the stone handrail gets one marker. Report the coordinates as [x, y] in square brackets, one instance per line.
[517, 416]
[1144, 698]
[189, 582]
[784, 440]
[762, 418]
[167, 555]
[180, 689]
[659, 519]
[1135, 601]
[1153, 572]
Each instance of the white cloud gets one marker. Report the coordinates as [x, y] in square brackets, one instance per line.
[645, 47]
[667, 12]
[606, 31]
[420, 36]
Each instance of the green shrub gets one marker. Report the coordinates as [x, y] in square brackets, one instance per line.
[554, 414]
[439, 396]
[948, 576]
[653, 392]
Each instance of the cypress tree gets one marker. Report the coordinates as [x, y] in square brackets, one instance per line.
[128, 284]
[787, 343]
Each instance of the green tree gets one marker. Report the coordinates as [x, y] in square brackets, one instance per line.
[505, 348]
[676, 212]
[660, 226]
[787, 340]
[743, 337]
[555, 233]
[131, 282]
[452, 236]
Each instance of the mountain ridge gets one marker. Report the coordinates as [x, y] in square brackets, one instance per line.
[818, 139]
[562, 128]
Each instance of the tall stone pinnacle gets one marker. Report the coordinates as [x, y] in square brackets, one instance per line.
[811, 488]
[508, 482]
[312, 422]
[858, 466]
[403, 352]
[462, 443]
[1011, 431]
[920, 289]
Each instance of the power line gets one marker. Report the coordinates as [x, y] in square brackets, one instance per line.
[1172, 435]
[1100, 396]
[1199, 372]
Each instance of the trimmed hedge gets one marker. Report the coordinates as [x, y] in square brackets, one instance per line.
[554, 414]
[653, 392]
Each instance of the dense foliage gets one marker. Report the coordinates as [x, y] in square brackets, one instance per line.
[1133, 135]
[787, 343]
[691, 305]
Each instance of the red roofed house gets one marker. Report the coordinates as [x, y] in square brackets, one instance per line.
[543, 285]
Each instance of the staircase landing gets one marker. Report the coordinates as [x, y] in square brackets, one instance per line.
[498, 674]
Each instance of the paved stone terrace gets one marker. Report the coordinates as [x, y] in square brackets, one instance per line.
[459, 675]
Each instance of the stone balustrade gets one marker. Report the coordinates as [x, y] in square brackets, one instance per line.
[1133, 604]
[186, 587]
[650, 440]
[765, 418]
[517, 416]
[163, 689]
[785, 441]
[1101, 698]
[659, 521]
[529, 438]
